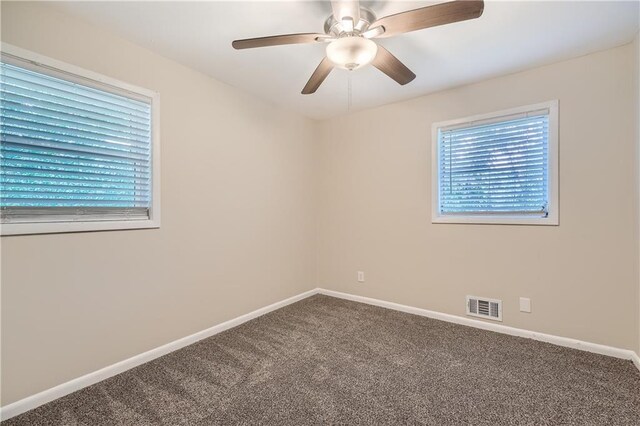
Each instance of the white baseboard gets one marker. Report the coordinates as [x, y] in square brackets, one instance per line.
[59, 391]
[636, 360]
[31, 402]
[498, 328]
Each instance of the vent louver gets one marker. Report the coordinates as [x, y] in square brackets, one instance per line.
[484, 308]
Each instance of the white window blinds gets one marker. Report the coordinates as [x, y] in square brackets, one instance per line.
[496, 168]
[71, 152]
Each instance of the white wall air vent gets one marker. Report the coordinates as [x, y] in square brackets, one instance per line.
[484, 308]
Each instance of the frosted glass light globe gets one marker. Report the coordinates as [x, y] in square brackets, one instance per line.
[351, 52]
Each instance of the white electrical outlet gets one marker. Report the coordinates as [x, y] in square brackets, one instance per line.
[525, 304]
[360, 276]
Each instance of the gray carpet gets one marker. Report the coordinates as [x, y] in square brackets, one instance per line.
[330, 361]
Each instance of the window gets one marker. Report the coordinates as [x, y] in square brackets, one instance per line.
[497, 168]
[78, 151]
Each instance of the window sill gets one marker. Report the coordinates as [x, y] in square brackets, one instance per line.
[7, 229]
[496, 220]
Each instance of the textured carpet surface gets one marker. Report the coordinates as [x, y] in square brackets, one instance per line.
[330, 361]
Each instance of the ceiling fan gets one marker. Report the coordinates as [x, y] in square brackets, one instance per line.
[349, 30]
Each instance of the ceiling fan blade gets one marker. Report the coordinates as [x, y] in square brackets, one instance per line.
[373, 32]
[346, 8]
[391, 66]
[318, 76]
[278, 40]
[430, 16]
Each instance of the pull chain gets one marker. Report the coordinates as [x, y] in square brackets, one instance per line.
[349, 93]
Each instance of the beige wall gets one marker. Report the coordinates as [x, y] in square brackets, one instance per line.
[238, 222]
[581, 276]
[636, 49]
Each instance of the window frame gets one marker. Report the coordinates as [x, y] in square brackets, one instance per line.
[552, 217]
[33, 61]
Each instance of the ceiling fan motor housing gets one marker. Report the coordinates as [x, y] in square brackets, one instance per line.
[333, 27]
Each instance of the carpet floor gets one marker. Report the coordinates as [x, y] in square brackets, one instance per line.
[330, 361]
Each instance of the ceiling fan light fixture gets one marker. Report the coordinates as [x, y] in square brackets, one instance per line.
[351, 53]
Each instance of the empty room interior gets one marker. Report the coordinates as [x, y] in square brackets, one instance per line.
[320, 212]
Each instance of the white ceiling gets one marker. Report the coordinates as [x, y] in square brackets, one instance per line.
[510, 36]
